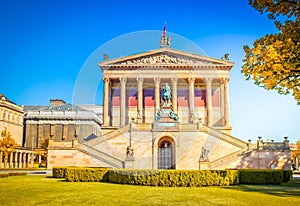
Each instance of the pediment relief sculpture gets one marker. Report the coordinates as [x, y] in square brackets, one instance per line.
[165, 59]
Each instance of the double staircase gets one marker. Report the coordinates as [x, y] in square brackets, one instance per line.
[116, 160]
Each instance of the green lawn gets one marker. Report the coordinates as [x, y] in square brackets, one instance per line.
[42, 190]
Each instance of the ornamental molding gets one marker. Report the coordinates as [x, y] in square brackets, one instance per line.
[168, 58]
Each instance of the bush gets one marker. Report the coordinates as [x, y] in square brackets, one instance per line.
[260, 177]
[59, 172]
[3, 175]
[17, 173]
[174, 178]
[287, 175]
[74, 174]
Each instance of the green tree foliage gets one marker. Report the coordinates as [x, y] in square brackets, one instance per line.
[273, 61]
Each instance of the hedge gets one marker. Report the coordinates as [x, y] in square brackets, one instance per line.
[174, 178]
[2, 175]
[287, 175]
[74, 174]
[260, 177]
[17, 173]
[59, 172]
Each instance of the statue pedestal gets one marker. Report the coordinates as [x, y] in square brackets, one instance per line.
[129, 162]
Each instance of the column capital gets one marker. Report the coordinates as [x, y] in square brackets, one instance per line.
[208, 80]
[174, 80]
[191, 80]
[157, 81]
[106, 79]
[140, 79]
[225, 80]
[123, 79]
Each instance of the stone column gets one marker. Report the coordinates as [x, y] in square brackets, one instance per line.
[174, 94]
[24, 160]
[29, 158]
[52, 131]
[20, 160]
[208, 101]
[16, 160]
[65, 131]
[140, 99]
[226, 102]
[32, 160]
[11, 155]
[40, 159]
[106, 117]
[123, 101]
[157, 94]
[222, 99]
[191, 97]
[1, 157]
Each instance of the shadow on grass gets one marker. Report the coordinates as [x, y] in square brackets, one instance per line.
[283, 190]
[58, 179]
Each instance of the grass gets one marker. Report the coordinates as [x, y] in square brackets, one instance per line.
[43, 190]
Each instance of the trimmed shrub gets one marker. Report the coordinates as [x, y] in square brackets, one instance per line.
[260, 177]
[74, 174]
[17, 173]
[4, 175]
[59, 172]
[174, 178]
[287, 175]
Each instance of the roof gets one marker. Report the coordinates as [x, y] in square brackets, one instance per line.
[63, 107]
[165, 57]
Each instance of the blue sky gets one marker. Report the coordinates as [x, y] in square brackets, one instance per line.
[44, 45]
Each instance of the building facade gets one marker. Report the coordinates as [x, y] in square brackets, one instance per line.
[11, 118]
[167, 109]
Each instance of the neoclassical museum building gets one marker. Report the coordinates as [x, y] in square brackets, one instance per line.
[162, 109]
[167, 109]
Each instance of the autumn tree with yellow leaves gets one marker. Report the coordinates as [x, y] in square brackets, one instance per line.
[273, 61]
[7, 144]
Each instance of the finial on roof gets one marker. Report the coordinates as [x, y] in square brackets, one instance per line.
[165, 42]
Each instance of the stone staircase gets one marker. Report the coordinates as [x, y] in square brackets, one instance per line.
[102, 156]
[220, 163]
[223, 136]
[100, 139]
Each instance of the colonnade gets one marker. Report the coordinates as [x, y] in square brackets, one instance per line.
[224, 101]
[18, 159]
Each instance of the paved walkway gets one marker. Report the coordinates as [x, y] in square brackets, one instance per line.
[29, 172]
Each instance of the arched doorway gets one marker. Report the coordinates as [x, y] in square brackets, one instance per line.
[166, 154]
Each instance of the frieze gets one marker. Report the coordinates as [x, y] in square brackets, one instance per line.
[165, 59]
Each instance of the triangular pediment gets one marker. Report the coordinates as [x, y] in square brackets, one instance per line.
[165, 57]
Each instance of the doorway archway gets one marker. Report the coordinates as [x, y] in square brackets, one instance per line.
[166, 154]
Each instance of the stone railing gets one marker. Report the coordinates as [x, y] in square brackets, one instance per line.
[223, 136]
[227, 159]
[102, 156]
[107, 136]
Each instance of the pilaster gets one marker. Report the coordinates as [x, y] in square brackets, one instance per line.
[191, 97]
[208, 101]
[123, 101]
[174, 94]
[106, 117]
[222, 100]
[227, 107]
[140, 111]
[157, 94]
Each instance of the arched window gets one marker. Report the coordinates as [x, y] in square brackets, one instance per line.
[166, 154]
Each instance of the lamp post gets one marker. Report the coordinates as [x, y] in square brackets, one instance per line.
[32, 160]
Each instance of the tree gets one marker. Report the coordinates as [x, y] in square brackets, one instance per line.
[296, 153]
[273, 62]
[7, 144]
